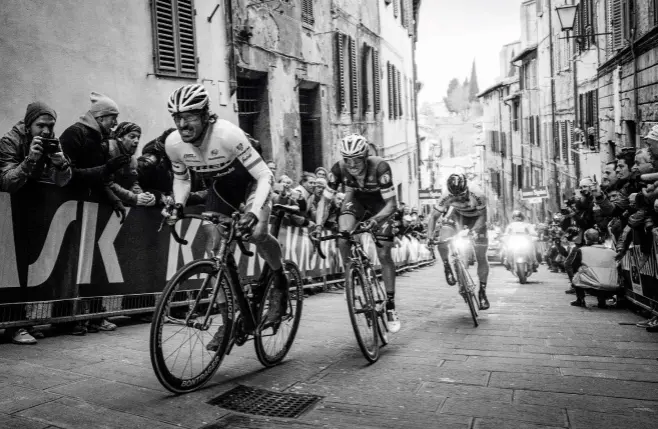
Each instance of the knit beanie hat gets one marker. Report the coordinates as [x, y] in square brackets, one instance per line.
[102, 105]
[36, 109]
[124, 128]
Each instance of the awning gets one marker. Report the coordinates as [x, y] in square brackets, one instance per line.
[525, 53]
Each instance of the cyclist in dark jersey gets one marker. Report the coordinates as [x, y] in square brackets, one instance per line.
[370, 198]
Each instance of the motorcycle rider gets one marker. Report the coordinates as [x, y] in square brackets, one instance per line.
[520, 227]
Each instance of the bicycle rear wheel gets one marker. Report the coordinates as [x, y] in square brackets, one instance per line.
[273, 342]
[466, 288]
[379, 294]
[179, 338]
[363, 315]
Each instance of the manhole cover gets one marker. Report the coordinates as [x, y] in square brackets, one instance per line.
[261, 402]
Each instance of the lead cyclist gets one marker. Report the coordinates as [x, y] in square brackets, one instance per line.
[469, 211]
[221, 153]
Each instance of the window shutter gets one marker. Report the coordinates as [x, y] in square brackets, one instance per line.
[376, 80]
[354, 77]
[538, 127]
[307, 12]
[396, 8]
[565, 142]
[531, 129]
[556, 140]
[389, 81]
[399, 93]
[188, 63]
[571, 137]
[577, 30]
[403, 13]
[175, 42]
[340, 73]
[366, 53]
[617, 25]
[410, 17]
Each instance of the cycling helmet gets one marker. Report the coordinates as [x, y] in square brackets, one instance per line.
[187, 98]
[517, 215]
[353, 146]
[457, 184]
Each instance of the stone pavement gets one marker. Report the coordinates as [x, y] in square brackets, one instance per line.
[534, 362]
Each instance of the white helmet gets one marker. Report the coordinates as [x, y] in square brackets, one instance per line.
[353, 146]
[188, 97]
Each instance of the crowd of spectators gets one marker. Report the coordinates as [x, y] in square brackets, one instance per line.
[604, 220]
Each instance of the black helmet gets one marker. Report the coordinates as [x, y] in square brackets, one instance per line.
[457, 184]
[517, 215]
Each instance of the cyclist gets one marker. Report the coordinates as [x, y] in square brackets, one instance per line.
[520, 226]
[469, 211]
[221, 153]
[369, 197]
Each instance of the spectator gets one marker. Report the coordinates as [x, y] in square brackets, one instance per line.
[124, 182]
[314, 200]
[85, 144]
[592, 268]
[321, 173]
[272, 166]
[25, 158]
[334, 211]
[306, 188]
[651, 139]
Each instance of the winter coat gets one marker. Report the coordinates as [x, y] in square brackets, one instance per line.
[15, 171]
[124, 182]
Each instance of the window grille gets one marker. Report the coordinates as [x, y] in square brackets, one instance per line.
[307, 12]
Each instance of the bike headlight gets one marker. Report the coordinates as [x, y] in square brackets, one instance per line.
[519, 243]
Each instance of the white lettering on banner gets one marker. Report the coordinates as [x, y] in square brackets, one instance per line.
[8, 267]
[39, 272]
[87, 242]
[107, 250]
[175, 248]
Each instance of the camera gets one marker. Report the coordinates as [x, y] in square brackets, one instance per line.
[50, 146]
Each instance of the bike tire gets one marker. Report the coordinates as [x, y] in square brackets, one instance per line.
[466, 291]
[286, 331]
[521, 273]
[361, 308]
[379, 294]
[163, 319]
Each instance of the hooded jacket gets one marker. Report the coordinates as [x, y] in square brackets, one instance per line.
[15, 171]
[124, 181]
[83, 143]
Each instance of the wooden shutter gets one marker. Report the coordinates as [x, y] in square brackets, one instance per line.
[531, 129]
[354, 77]
[174, 38]
[389, 81]
[616, 23]
[307, 12]
[565, 142]
[538, 134]
[399, 93]
[340, 73]
[410, 17]
[366, 53]
[396, 8]
[571, 138]
[376, 81]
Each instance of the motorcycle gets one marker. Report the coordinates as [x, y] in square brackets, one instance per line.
[519, 261]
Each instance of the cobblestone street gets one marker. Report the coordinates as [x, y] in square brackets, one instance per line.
[534, 362]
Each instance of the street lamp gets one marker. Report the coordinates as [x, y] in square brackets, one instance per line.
[567, 16]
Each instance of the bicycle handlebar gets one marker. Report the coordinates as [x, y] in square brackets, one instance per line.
[215, 219]
[342, 234]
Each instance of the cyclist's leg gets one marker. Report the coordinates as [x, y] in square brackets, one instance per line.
[385, 235]
[445, 234]
[351, 212]
[479, 227]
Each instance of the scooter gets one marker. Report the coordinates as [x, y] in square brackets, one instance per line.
[519, 248]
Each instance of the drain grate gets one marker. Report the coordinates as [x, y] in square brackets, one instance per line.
[261, 402]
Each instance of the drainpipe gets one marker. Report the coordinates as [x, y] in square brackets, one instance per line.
[415, 107]
[502, 159]
[556, 174]
[636, 105]
[232, 63]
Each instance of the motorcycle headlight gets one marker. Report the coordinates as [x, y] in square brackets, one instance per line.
[519, 243]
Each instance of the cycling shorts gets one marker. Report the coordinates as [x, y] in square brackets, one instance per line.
[363, 207]
[481, 236]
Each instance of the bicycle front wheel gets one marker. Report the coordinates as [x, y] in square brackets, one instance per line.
[466, 288]
[363, 314]
[273, 341]
[191, 327]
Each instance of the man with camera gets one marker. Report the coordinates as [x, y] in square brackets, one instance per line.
[28, 152]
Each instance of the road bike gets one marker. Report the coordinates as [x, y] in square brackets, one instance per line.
[366, 296]
[459, 268]
[206, 309]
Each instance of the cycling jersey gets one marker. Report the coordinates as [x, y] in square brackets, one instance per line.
[376, 186]
[227, 157]
[473, 204]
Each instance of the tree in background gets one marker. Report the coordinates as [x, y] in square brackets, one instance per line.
[461, 99]
[474, 88]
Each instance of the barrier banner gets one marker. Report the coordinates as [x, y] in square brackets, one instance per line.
[60, 247]
[641, 274]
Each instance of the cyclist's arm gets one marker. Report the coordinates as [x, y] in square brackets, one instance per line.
[328, 194]
[182, 184]
[252, 161]
[385, 179]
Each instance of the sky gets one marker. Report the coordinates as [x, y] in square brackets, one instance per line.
[452, 33]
